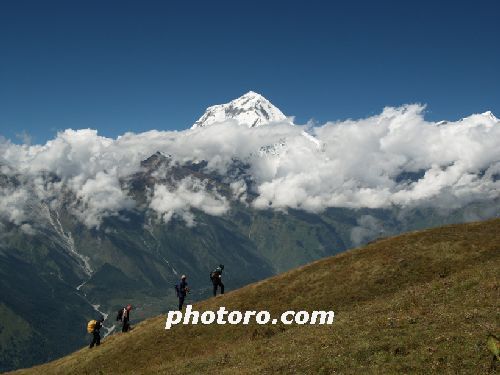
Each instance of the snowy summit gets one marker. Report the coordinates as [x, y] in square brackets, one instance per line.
[251, 109]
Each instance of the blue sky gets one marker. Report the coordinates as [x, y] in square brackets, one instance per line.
[120, 66]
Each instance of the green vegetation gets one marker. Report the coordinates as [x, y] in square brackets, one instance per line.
[134, 262]
[422, 302]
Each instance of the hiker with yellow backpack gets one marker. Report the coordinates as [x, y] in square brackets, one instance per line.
[94, 327]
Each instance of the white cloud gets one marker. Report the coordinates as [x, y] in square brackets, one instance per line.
[188, 194]
[368, 228]
[28, 229]
[13, 204]
[353, 163]
[101, 196]
[239, 190]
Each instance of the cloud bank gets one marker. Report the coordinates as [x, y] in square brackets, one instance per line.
[189, 194]
[394, 158]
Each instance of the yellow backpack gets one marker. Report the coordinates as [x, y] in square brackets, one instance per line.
[91, 326]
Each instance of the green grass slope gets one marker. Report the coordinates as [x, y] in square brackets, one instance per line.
[421, 302]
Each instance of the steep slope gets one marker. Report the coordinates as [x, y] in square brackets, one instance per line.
[421, 302]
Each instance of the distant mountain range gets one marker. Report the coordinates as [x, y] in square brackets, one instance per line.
[88, 224]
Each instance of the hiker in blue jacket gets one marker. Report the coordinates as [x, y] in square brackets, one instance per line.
[182, 289]
[216, 277]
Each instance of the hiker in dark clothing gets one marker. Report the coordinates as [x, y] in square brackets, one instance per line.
[182, 289]
[216, 277]
[96, 334]
[125, 318]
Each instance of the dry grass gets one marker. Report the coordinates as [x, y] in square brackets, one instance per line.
[418, 303]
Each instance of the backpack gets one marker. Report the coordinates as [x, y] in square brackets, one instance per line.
[91, 326]
[119, 316]
[176, 289]
[215, 274]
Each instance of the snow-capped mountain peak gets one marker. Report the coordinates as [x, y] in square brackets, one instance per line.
[478, 117]
[251, 109]
[490, 115]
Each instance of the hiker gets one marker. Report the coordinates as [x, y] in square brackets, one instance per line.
[216, 277]
[182, 289]
[94, 327]
[124, 317]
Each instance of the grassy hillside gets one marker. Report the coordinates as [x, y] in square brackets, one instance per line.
[417, 303]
